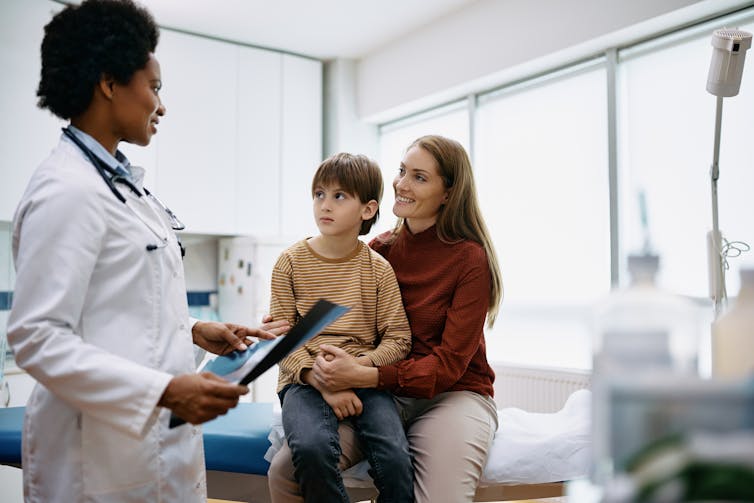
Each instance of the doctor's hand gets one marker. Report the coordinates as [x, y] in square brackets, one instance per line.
[222, 338]
[336, 370]
[198, 398]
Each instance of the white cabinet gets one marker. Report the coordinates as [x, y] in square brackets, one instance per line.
[280, 143]
[196, 155]
[27, 134]
[301, 150]
[241, 138]
[258, 150]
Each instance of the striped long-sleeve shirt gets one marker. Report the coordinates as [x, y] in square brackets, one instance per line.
[375, 326]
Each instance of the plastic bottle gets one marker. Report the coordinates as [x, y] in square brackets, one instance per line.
[641, 333]
[733, 334]
[645, 328]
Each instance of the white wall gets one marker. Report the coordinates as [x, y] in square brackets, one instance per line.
[343, 130]
[27, 134]
[493, 41]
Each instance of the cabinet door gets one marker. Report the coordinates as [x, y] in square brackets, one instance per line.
[301, 150]
[196, 159]
[27, 134]
[259, 123]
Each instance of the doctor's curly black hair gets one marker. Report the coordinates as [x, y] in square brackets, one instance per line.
[84, 42]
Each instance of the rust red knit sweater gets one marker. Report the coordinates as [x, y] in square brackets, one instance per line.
[445, 289]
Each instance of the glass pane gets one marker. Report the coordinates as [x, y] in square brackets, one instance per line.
[667, 128]
[542, 175]
[394, 142]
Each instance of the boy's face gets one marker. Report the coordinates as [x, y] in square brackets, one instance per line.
[339, 213]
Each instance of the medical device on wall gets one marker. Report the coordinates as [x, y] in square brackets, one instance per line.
[723, 80]
[727, 66]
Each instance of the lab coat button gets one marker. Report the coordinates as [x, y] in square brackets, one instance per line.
[175, 274]
[182, 326]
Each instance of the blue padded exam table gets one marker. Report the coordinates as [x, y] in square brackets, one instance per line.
[235, 442]
[11, 424]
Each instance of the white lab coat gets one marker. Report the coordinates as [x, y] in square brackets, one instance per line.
[102, 324]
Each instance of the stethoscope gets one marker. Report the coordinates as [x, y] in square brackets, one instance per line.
[111, 177]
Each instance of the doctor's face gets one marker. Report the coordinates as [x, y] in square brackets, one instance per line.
[137, 106]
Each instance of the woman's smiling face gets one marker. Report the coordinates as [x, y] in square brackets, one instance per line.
[419, 190]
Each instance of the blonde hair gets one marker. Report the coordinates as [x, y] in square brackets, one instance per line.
[460, 218]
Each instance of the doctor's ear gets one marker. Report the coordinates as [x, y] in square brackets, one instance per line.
[105, 85]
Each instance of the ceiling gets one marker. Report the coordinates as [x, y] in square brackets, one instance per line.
[323, 29]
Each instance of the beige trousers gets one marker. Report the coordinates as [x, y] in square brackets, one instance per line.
[449, 437]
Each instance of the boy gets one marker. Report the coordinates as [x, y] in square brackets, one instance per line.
[336, 265]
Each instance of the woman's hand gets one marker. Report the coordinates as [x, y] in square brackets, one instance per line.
[336, 370]
[223, 338]
[274, 327]
[197, 398]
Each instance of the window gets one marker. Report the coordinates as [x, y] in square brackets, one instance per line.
[541, 171]
[666, 146]
[541, 163]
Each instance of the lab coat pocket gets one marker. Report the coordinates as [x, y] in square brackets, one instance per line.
[115, 461]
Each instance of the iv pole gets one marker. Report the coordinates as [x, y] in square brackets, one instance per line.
[715, 249]
[724, 79]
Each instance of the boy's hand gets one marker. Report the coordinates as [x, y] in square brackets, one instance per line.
[361, 360]
[344, 403]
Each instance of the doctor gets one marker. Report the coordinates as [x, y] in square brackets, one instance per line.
[100, 317]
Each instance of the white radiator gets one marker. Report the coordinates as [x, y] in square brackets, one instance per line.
[536, 389]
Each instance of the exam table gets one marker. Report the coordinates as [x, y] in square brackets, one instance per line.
[531, 455]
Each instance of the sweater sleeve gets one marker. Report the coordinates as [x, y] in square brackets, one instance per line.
[392, 323]
[283, 307]
[462, 335]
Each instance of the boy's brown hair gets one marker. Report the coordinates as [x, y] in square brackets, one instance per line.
[357, 175]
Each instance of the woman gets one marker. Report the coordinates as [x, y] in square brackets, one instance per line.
[450, 282]
[99, 316]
